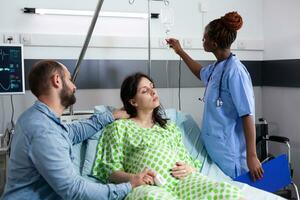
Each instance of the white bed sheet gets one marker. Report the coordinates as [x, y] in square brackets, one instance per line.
[191, 138]
[210, 169]
[251, 193]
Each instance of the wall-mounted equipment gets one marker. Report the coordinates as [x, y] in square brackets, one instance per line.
[11, 69]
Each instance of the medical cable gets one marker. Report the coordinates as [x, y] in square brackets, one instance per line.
[179, 84]
[12, 112]
[149, 38]
[11, 131]
[170, 91]
[167, 74]
[12, 103]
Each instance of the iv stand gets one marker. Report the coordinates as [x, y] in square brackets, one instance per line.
[86, 44]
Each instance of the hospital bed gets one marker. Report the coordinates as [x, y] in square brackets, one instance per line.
[84, 153]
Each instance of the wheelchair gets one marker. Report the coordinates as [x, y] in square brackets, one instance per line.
[262, 140]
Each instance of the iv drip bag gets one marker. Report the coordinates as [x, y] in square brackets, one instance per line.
[167, 18]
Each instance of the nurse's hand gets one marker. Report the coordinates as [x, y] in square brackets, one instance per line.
[174, 43]
[182, 170]
[255, 167]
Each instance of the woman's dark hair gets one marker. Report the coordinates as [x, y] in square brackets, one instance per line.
[223, 31]
[128, 91]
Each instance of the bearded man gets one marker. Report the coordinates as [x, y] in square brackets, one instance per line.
[40, 164]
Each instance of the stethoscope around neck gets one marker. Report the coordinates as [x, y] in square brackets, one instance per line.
[219, 101]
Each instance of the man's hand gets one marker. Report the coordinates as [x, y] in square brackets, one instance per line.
[182, 170]
[174, 44]
[120, 114]
[143, 178]
[255, 167]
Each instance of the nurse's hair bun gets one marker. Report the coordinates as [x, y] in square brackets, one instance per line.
[232, 21]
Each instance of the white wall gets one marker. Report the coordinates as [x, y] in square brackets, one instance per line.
[282, 41]
[65, 31]
[186, 13]
[281, 29]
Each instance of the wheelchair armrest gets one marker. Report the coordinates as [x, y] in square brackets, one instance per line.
[280, 139]
[273, 138]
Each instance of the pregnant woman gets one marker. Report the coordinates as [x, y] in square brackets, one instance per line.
[147, 141]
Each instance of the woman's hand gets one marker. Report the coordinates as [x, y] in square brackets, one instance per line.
[146, 177]
[174, 43]
[182, 170]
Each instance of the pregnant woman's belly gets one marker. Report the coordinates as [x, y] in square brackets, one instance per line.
[159, 159]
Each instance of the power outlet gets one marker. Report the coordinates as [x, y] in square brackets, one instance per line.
[187, 43]
[11, 38]
[25, 39]
[203, 7]
[241, 44]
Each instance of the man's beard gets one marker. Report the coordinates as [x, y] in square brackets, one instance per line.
[66, 98]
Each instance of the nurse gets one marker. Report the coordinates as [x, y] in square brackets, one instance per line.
[228, 128]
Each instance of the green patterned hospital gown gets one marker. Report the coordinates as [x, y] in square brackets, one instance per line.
[124, 146]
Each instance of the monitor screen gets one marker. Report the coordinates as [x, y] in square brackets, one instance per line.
[11, 69]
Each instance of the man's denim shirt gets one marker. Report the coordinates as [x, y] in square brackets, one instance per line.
[40, 164]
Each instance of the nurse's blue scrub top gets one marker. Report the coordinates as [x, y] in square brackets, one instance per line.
[222, 127]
